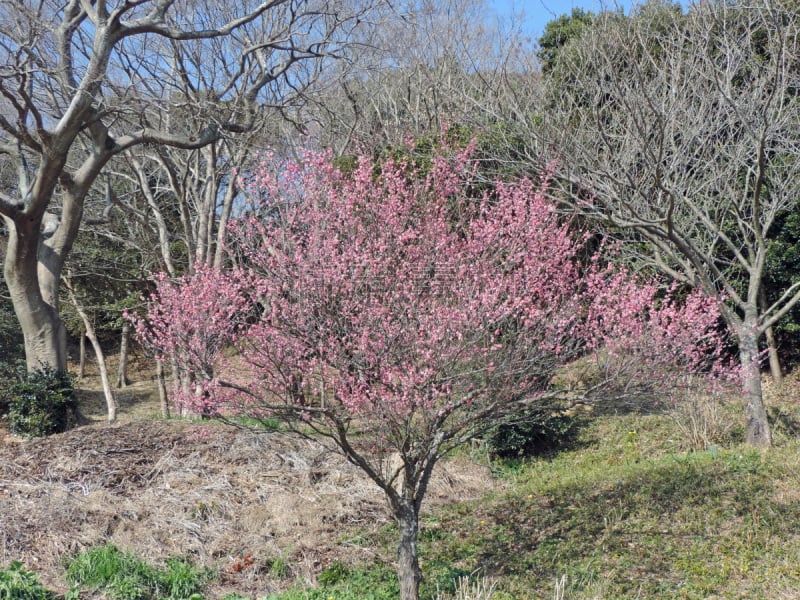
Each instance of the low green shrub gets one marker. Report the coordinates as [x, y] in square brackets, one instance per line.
[40, 404]
[533, 435]
[18, 584]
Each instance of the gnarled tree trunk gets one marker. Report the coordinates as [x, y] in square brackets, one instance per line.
[35, 305]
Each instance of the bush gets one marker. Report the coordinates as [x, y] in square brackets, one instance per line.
[18, 584]
[12, 352]
[533, 435]
[41, 403]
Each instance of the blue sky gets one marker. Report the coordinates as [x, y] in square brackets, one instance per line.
[537, 13]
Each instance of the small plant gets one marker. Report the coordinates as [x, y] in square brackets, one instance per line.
[334, 574]
[704, 420]
[40, 404]
[466, 589]
[16, 583]
[279, 568]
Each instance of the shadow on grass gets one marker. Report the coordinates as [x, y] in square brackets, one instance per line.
[699, 522]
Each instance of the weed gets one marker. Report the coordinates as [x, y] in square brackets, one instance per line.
[279, 568]
[16, 583]
[704, 420]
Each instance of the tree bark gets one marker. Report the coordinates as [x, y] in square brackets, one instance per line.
[408, 569]
[122, 371]
[82, 356]
[772, 346]
[774, 358]
[162, 388]
[757, 432]
[43, 333]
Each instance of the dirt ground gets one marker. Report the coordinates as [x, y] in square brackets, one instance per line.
[205, 491]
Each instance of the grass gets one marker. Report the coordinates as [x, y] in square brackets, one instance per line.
[627, 512]
[122, 576]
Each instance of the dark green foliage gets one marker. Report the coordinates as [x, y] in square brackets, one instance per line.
[12, 353]
[18, 584]
[122, 576]
[533, 435]
[41, 403]
[558, 32]
[783, 270]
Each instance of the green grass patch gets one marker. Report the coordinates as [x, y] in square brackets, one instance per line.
[338, 581]
[625, 512]
[122, 576]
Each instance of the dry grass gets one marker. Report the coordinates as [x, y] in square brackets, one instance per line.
[199, 490]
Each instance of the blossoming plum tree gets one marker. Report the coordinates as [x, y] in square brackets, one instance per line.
[392, 314]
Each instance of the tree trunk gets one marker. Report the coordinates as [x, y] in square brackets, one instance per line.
[408, 570]
[33, 277]
[162, 388]
[82, 356]
[772, 347]
[111, 403]
[774, 359]
[757, 431]
[122, 371]
[44, 334]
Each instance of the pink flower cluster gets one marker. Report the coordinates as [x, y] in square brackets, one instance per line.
[403, 295]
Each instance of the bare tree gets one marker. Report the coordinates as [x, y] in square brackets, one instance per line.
[441, 63]
[680, 132]
[83, 82]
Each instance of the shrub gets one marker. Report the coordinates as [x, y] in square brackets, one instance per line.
[533, 435]
[41, 403]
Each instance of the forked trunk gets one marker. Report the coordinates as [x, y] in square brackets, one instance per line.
[408, 570]
[757, 432]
